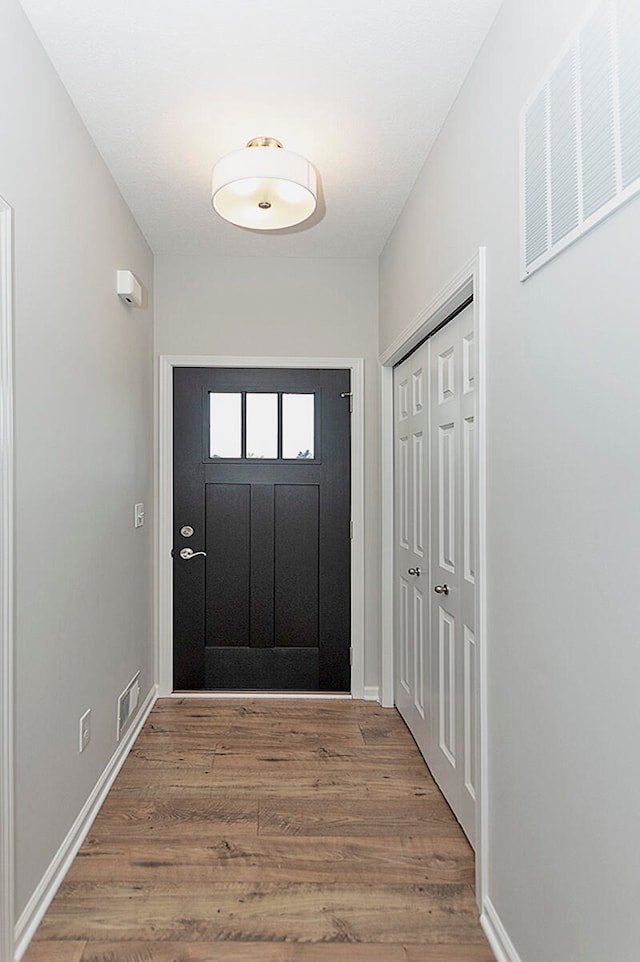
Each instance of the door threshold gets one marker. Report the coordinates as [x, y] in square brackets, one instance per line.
[324, 695]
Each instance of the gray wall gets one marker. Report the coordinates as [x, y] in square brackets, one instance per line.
[83, 375]
[562, 468]
[275, 307]
[563, 519]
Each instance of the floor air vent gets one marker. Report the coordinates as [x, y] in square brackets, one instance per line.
[580, 134]
[127, 703]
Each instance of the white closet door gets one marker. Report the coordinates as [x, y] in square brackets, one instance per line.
[411, 560]
[451, 752]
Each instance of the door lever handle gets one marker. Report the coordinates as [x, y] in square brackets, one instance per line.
[187, 553]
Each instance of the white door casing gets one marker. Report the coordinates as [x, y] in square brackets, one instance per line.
[164, 504]
[411, 548]
[7, 858]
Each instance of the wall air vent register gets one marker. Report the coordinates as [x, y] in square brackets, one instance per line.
[580, 134]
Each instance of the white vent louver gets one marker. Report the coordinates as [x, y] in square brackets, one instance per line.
[580, 134]
[127, 704]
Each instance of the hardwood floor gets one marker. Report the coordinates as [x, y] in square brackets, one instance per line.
[269, 831]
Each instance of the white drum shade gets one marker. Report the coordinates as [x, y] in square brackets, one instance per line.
[264, 187]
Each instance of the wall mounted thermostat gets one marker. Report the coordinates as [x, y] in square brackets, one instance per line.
[129, 288]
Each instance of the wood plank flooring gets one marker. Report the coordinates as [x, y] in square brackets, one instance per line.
[269, 831]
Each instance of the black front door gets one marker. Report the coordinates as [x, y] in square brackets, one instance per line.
[262, 482]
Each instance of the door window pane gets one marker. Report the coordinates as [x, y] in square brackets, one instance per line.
[225, 425]
[298, 435]
[262, 425]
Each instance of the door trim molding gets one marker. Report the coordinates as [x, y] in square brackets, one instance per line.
[7, 643]
[164, 500]
[470, 280]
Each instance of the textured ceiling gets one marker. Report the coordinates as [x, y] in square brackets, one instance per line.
[360, 87]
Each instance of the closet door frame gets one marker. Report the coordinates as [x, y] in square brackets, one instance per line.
[468, 283]
[7, 588]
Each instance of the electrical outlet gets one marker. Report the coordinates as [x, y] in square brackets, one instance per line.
[85, 730]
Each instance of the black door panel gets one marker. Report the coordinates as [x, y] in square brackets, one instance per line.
[269, 606]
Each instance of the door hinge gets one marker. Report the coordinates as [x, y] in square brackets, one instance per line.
[348, 394]
[351, 530]
[350, 656]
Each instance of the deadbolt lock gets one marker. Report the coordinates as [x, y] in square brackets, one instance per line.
[186, 531]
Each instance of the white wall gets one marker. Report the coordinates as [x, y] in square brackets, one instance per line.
[83, 375]
[563, 518]
[291, 308]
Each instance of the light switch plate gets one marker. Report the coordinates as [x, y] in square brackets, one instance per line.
[138, 515]
[85, 731]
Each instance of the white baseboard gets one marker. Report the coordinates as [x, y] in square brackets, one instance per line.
[371, 693]
[51, 880]
[501, 945]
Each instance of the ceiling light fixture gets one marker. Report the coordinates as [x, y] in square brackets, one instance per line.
[264, 189]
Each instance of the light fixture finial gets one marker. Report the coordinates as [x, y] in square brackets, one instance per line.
[264, 142]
